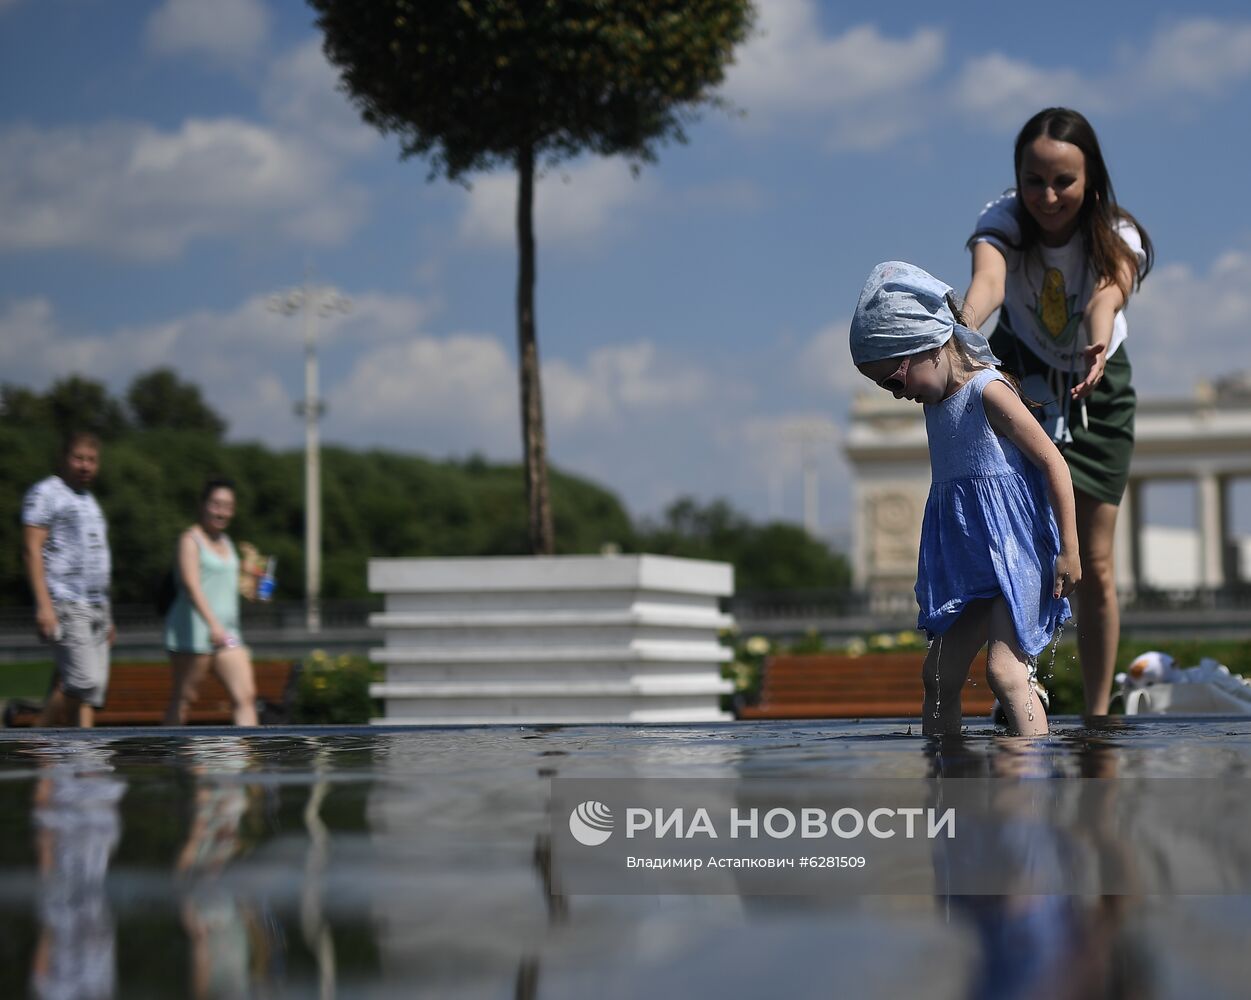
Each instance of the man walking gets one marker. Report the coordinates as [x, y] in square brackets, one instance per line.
[66, 545]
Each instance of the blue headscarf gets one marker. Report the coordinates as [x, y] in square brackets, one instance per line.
[903, 310]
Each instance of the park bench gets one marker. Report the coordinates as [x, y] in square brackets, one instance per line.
[839, 686]
[139, 694]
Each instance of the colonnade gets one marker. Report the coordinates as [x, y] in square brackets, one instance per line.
[1205, 440]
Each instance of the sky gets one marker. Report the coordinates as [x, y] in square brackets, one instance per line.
[168, 166]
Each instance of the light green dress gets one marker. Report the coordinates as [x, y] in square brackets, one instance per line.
[186, 631]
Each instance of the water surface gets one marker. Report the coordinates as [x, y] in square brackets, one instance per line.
[416, 862]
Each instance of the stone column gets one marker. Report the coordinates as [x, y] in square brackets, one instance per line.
[1129, 538]
[1211, 529]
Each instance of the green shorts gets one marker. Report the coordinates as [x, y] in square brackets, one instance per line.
[1103, 444]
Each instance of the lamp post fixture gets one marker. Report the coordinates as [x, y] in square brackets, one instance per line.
[810, 435]
[312, 303]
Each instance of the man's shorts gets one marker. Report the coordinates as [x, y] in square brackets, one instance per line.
[81, 647]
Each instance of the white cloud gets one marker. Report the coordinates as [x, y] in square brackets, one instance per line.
[620, 382]
[1002, 93]
[383, 374]
[248, 360]
[648, 425]
[575, 205]
[1201, 56]
[784, 442]
[824, 361]
[1198, 58]
[439, 395]
[784, 453]
[229, 31]
[132, 190]
[301, 95]
[1186, 326]
[867, 91]
[862, 88]
[790, 66]
[460, 393]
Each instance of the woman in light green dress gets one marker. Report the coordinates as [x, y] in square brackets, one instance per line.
[202, 626]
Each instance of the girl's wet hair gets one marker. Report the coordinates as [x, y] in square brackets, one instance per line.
[1100, 213]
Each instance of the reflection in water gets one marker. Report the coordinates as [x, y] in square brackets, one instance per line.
[400, 863]
[232, 947]
[313, 924]
[75, 813]
[1034, 945]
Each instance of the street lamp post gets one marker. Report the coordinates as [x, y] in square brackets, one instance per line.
[810, 435]
[312, 303]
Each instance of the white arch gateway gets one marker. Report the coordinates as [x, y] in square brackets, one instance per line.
[1205, 440]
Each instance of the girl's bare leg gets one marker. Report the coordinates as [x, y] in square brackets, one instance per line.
[1007, 673]
[234, 667]
[1099, 613]
[947, 668]
[189, 671]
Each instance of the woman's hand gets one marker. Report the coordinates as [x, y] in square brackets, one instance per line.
[218, 636]
[1068, 574]
[1096, 360]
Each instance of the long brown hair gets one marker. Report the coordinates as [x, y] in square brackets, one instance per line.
[1100, 213]
[967, 363]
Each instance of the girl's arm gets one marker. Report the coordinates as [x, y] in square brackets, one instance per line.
[1009, 417]
[1098, 316]
[985, 294]
[189, 570]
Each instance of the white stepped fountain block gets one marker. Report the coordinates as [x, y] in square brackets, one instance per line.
[554, 639]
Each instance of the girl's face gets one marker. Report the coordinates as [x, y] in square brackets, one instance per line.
[218, 510]
[1052, 186]
[926, 378]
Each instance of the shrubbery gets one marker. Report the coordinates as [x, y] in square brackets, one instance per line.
[335, 690]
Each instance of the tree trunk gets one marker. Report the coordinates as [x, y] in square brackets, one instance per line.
[534, 437]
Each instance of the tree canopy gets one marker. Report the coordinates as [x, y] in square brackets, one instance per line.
[470, 83]
[476, 84]
[160, 399]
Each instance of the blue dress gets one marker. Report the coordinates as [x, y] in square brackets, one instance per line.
[988, 528]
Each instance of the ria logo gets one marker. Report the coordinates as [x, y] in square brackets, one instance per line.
[591, 823]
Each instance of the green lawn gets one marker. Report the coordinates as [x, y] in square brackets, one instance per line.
[24, 680]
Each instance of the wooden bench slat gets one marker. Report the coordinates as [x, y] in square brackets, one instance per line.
[875, 685]
[139, 694]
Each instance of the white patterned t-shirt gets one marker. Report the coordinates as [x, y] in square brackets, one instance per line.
[76, 560]
[1045, 293]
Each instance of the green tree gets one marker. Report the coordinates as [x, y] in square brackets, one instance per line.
[477, 84]
[23, 407]
[376, 504]
[77, 403]
[773, 556]
[159, 399]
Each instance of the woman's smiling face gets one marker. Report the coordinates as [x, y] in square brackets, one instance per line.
[1052, 186]
[218, 510]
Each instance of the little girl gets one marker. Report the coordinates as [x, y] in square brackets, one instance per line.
[993, 565]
